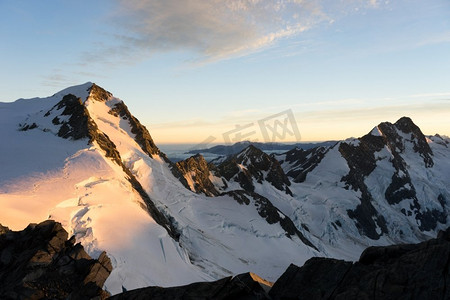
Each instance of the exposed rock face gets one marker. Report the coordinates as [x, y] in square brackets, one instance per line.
[361, 161]
[145, 141]
[195, 170]
[413, 271]
[69, 117]
[252, 163]
[72, 120]
[142, 136]
[99, 94]
[270, 213]
[77, 126]
[3, 229]
[242, 286]
[39, 262]
[414, 135]
[444, 141]
[300, 162]
[401, 139]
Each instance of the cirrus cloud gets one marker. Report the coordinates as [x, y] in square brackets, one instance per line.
[217, 29]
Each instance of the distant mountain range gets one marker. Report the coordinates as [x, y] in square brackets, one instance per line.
[81, 158]
[238, 147]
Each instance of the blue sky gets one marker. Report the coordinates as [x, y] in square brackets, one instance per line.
[195, 69]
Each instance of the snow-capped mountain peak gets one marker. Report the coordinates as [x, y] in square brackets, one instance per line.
[252, 166]
[80, 91]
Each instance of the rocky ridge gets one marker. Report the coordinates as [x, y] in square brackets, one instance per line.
[243, 286]
[410, 271]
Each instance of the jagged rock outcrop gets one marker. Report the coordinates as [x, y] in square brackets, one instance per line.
[40, 263]
[3, 229]
[269, 212]
[98, 93]
[78, 124]
[361, 161]
[69, 119]
[410, 132]
[441, 140]
[412, 271]
[243, 286]
[145, 141]
[196, 174]
[119, 109]
[253, 164]
[297, 163]
[142, 136]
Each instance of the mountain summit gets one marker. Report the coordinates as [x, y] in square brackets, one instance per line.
[81, 158]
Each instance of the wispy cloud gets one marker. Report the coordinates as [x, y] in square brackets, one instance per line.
[430, 95]
[439, 38]
[379, 112]
[58, 78]
[208, 30]
[182, 124]
[55, 79]
[218, 29]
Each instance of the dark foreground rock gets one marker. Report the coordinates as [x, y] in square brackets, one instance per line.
[244, 286]
[40, 263]
[414, 271]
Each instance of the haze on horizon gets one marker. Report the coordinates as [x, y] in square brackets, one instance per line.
[193, 71]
